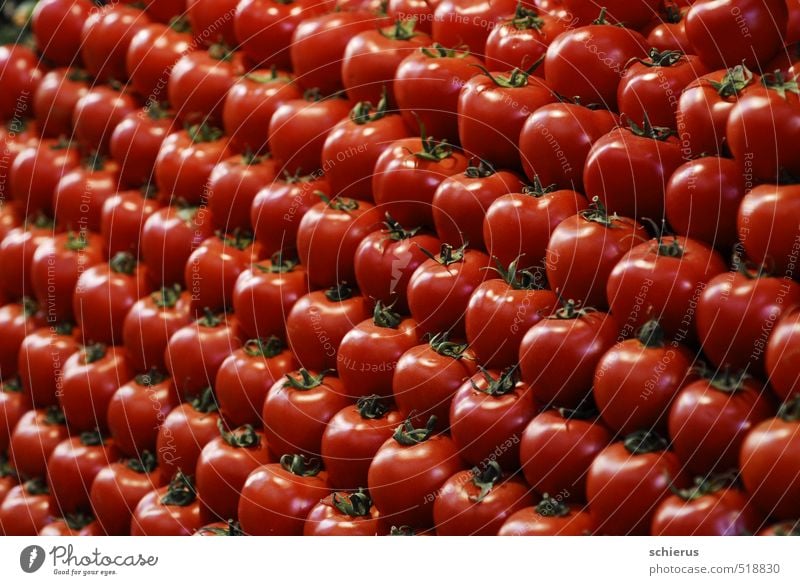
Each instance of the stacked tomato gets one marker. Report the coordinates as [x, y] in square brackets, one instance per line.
[350, 267]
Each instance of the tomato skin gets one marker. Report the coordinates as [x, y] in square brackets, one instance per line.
[351, 440]
[669, 33]
[42, 355]
[182, 436]
[325, 519]
[520, 42]
[150, 57]
[419, 10]
[55, 98]
[556, 451]
[136, 141]
[150, 323]
[122, 221]
[24, 511]
[633, 14]
[767, 228]
[317, 324]
[727, 512]
[530, 522]
[405, 182]
[215, 17]
[468, 23]
[57, 26]
[245, 377]
[13, 405]
[429, 85]
[709, 420]
[80, 194]
[781, 359]
[328, 236]
[17, 321]
[152, 518]
[198, 84]
[73, 465]
[96, 115]
[20, 76]
[573, 129]
[36, 435]
[105, 38]
[763, 20]
[115, 493]
[251, 102]
[20, 135]
[755, 305]
[36, 171]
[223, 469]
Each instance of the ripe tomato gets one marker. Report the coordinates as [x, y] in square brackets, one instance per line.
[57, 26]
[245, 377]
[427, 85]
[13, 404]
[767, 227]
[122, 219]
[550, 517]
[164, 10]
[418, 10]
[277, 497]
[781, 362]
[41, 360]
[26, 509]
[232, 186]
[173, 510]
[72, 524]
[408, 472]
[407, 175]
[297, 410]
[97, 113]
[15, 137]
[632, 14]
[343, 514]
[736, 314]
[521, 41]
[199, 82]
[731, 32]
[212, 21]
[118, 488]
[555, 141]
[468, 23]
[36, 171]
[353, 437]
[790, 528]
[151, 55]
[628, 480]
[427, 378]
[136, 141]
[229, 528]
[107, 33]
[223, 467]
[55, 98]
[319, 321]
[80, 194]
[709, 419]
[250, 104]
[17, 321]
[35, 437]
[669, 30]
[20, 76]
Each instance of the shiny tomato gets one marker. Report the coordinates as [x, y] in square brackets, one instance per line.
[343, 514]
[107, 33]
[136, 141]
[55, 99]
[418, 10]
[79, 197]
[781, 358]
[13, 405]
[522, 40]
[37, 434]
[72, 524]
[232, 186]
[26, 509]
[631, 14]
[550, 517]
[669, 30]
[123, 217]
[57, 26]
[41, 360]
[767, 229]
[199, 82]
[151, 55]
[17, 321]
[468, 23]
[20, 76]
[36, 171]
[173, 510]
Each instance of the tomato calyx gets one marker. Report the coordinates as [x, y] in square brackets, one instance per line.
[153, 377]
[705, 486]
[301, 465]
[447, 254]
[570, 309]
[372, 407]
[643, 442]
[790, 411]
[504, 384]
[339, 293]
[220, 52]
[651, 334]
[537, 189]
[601, 19]
[123, 263]
[186, 213]
[439, 51]
[167, 297]
[11, 385]
[586, 410]
[515, 79]
[735, 80]
[180, 491]
[750, 270]
[93, 438]
[407, 435]
[264, 347]
[232, 527]
[306, 380]
[726, 381]
[204, 132]
[364, 112]
[485, 479]
[647, 130]
[239, 239]
[30, 306]
[401, 30]
[315, 95]
[5, 467]
[597, 213]
[53, 415]
[209, 319]
[297, 177]
[76, 242]
[338, 203]
[383, 316]
[93, 352]
[396, 232]
[78, 75]
[274, 75]
[525, 19]
[180, 24]
[656, 58]
[551, 507]
[482, 170]
[77, 520]
[518, 278]
[158, 111]
[451, 349]
[245, 437]
[61, 144]
[357, 504]
[403, 530]
[278, 264]
[62, 328]
[778, 83]
[432, 149]
[205, 402]
[94, 162]
[36, 487]
[146, 462]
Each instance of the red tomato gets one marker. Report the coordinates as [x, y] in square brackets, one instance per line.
[122, 219]
[767, 227]
[17, 321]
[96, 115]
[229, 528]
[105, 38]
[628, 480]
[151, 55]
[199, 82]
[41, 360]
[35, 437]
[781, 359]
[277, 498]
[468, 23]
[297, 410]
[522, 41]
[790, 528]
[37, 170]
[72, 524]
[19, 76]
[55, 98]
[57, 26]
[13, 404]
[26, 509]
[550, 517]
[80, 194]
[11, 216]
[15, 137]
[136, 141]
[212, 21]
[319, 321]
[353, 437]
[427, 85]
[709, 419]
[343, 514]
[427, 378]
[408, 472]
[164, 10]
[632, 14]
[419, 10]
[173, 510]
[245, 377]
[669, 30]
[558, 354]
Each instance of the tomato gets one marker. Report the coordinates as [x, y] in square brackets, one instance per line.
[265, 294]
[37, 170]
[790, 528]
[736, 314]
[13, 404]
[555, 141]
[136, 141]
[767, 227]
[277, 497]
[164, 10]
[8, 479]
[408, 472]
[669, 30]
[441, 287]
[632, 14]
[26, 509]
[468, 23]
[41, 360]
[628, 480]
[229, 528]
[600, 52]
[91, 377]
[427, 378]
[427, 85]
[353, 437]
[343, 514]
[729, 32]
[278, 208]
[250, 104]
[151, 55]
[521, 41]
[137, 409]
[550, 517]
[96, 115]
[80, 194]
[17, 321]
[173, 510]
[55, 98]
[104, 294]
[781, 365]
[169, 236]
[118, 488]
[210, 340]
[199, 82]
[245, 377]
[73, 465]
[328, 236]
[15, 136]
[20, 76]
[11, 216]
[223, 467]
[407, 175]
[368, 354]
[57, 26]
[709, 419]
[107, 33]
[418, 10]
[35, 437]
[298, 129]
[297, 410]
[559, 353]
[371, 59]
[123, 217]
[651, 87]
[212, 21]
[264, 28]
[72, 524]
[319, 321]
